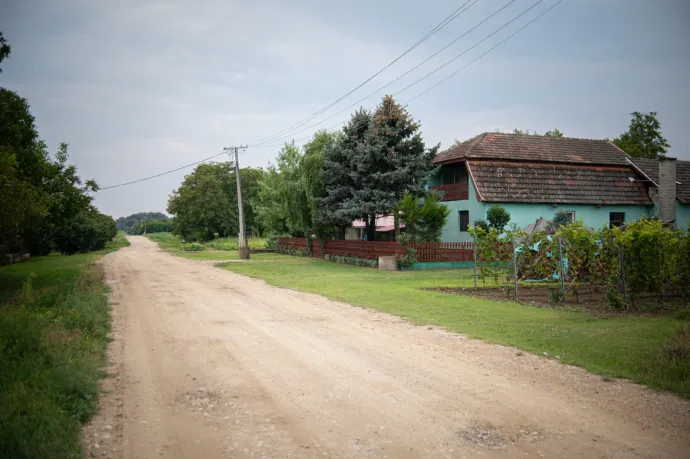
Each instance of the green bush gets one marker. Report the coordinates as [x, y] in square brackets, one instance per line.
[683, 314]
[498, 217]
[193, 247]
[52, 355]
[227, 244]
[90, 230]
[272, 241]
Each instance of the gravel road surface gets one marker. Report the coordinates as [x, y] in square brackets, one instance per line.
[209, 364]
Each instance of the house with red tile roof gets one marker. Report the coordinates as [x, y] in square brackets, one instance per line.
[535, 176]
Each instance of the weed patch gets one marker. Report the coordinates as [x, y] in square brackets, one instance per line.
[53, 342]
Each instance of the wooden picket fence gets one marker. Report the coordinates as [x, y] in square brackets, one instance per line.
[369, 250]
[372, 250]
[292, 243]
[443, 251]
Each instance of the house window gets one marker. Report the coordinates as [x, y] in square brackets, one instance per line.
[464, 220]
[571, 215]
[616, 219]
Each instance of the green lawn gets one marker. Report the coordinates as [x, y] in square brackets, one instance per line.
[218, 250]
[53, 341]
[52, 269]
[627, 347]
[218, 255]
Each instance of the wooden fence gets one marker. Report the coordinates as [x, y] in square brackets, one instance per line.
[292, 243]
[444, 251]
[371, 250]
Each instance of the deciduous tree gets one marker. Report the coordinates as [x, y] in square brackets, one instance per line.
[643, 138]
[206, 202]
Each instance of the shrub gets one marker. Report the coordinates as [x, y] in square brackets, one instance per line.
[53, 354]
[613, 298]
[192, 247]
[88, 231]
[481, 224]
[683, 314]
[410, 256]
[272, 240]
[409, 259]
[498, 217]
[560, 218]
[424, 219]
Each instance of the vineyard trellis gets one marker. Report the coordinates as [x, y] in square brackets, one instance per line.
[641, 261]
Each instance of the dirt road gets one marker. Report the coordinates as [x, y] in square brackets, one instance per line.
[211, 364]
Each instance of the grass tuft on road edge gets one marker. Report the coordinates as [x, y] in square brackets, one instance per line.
[53, 341]
[629, 347]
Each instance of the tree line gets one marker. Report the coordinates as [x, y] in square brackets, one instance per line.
[377, 164]
[45, 204]
[360, 172]
[152, 222]
[643, 139]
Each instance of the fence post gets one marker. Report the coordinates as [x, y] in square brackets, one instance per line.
[515, 281]
[560, 265]
[474, 239]
[621, 260]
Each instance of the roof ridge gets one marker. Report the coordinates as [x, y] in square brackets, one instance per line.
[548, 137]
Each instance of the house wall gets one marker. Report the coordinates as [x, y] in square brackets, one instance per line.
[593, 217]
[682, 215]
[523, 214]
[451, 231]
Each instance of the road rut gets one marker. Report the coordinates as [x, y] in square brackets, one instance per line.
[210, 364]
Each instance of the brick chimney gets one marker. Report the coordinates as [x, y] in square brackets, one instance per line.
[667, 190]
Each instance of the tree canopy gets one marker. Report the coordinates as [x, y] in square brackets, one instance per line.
[45, 204]
[206, 202]
[643, 138]
[552, 133]
[379, 158]
[4, 49]
[129, 224]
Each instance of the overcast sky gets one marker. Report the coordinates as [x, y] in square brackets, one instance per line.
[137, 87]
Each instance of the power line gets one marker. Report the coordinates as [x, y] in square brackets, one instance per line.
[415, 67]
[454, 15]
[450, 18]
[454, 73]
[161, 174]
[485, 53]
[410, 100]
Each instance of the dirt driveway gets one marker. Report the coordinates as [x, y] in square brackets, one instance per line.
[210, 364]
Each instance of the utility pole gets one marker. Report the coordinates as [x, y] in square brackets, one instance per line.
[243, 247]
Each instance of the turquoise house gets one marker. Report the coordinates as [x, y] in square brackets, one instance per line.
[535, 176]
[651, 169]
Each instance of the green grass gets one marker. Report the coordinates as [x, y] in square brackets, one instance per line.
[52, 269]
[219, 249]
[53, 340]
[166, 241]
[629, 347]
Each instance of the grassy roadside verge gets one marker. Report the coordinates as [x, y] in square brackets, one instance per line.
[629, 347]
[53, 340]
[218, 250]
